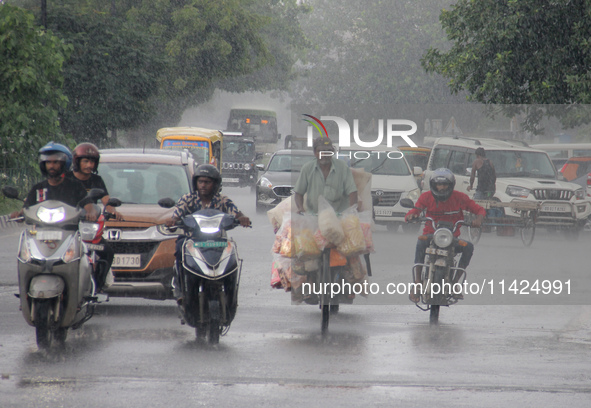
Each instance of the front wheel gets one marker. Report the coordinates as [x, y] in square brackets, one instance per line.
[434, 315]
[43, 318]
[214, 322]
[527, 233]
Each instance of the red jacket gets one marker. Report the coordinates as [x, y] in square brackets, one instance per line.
[451, 210]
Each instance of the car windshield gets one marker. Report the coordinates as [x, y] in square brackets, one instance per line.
[288, 162]
[144, 183]
[379, 163]
[238, 151]
[418, 159]
[511, 163]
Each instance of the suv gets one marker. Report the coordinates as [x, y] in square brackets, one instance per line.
[523, 173]
[238, 160]
[278, 178]
[144, 248]
[578, 170]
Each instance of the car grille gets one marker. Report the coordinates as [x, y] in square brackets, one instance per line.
[145, 249]
[386, 198]
[233, 166]
[283, 191]
[552, 194]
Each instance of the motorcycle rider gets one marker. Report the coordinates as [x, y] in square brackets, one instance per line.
[54, 160]
[206, 185]
[86, 158]
[443, 203]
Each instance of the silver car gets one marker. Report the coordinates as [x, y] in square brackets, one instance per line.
[277, 179]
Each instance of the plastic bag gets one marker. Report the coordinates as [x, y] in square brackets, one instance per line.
[303, 227]
[275, 279]
[354, 242]
[284, 244]
[277, 214]
[362, 180]
[365, 219]
[328, 222]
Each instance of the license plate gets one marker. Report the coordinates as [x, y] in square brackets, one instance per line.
[95, 247]
[220, 244]
[49, 235]
[385, 212]
[230, 180]
[555, 208]
[126, 261]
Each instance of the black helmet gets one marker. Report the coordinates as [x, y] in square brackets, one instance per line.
[208, 170]
[86, 151]
[54, 151]
[442, 176]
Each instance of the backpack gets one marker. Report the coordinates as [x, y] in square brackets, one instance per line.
[487, 177]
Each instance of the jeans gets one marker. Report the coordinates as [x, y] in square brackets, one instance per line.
[466, 251]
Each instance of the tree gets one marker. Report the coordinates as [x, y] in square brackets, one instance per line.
[519, 52]
[31, 78]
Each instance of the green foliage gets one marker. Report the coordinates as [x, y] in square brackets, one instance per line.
[519, 52]
[30, 87]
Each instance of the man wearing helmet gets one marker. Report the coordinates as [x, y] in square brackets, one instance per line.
[86, 159]
[443, 203]
[54, 160]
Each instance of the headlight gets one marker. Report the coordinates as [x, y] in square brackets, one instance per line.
[51, 215]
[443, 238]
[247, 167]
[580, 194]
[209, 225]
[265, 183]
[88, 230]
[414, 194]
[515, 191]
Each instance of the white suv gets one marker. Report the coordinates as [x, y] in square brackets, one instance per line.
[523, 173]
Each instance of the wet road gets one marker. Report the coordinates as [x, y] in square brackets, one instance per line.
[135, 353]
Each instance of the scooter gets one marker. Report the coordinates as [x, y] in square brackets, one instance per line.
[206, 283]
[441, 280]
[56, 289]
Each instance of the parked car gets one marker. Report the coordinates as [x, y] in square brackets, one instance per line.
[392, 179]
[578, 170]
[278, 178]
[144, 249]
[523, 173]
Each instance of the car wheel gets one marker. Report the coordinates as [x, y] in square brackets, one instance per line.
[392, 226]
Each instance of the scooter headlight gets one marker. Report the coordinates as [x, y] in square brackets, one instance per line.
[443, 238]
[209, 225]
[88, 230]
[51, 215]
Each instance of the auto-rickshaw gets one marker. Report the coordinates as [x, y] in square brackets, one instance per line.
[204, 144]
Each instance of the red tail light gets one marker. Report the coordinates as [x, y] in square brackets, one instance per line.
[589, 179]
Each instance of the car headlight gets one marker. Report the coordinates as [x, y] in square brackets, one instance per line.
[164, 230]
[51, 215]
[443, 238]
[515, 191]
[580, 194]
[265, 183]
[247, 167]
[414, 194]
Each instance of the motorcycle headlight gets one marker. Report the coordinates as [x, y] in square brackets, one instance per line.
[247, 167]
[88, 230]
[51, 215]
[443, 238]
[515, 191]
[209, 225]
[580, 194]
[264, 182]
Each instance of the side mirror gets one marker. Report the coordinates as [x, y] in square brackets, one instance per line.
[258, 156]
[114, 202]
[417, 171]
[407, 203]
[93, 196]
[10, 192]
[278, 136]
[260, 167]
[166, 202]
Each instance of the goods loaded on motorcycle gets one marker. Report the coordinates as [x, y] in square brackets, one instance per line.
[323, 258]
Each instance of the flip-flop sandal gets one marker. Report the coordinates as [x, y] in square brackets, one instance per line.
[414, 297]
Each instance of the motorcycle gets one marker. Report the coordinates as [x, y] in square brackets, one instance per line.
[206, 284]
[442, 281]
[56, 289]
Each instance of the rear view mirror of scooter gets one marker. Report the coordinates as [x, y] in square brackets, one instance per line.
[10, 192]
[166, 202]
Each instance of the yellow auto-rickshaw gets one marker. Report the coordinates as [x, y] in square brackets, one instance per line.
[204, 144]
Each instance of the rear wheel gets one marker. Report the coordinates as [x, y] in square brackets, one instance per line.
[528, 232]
